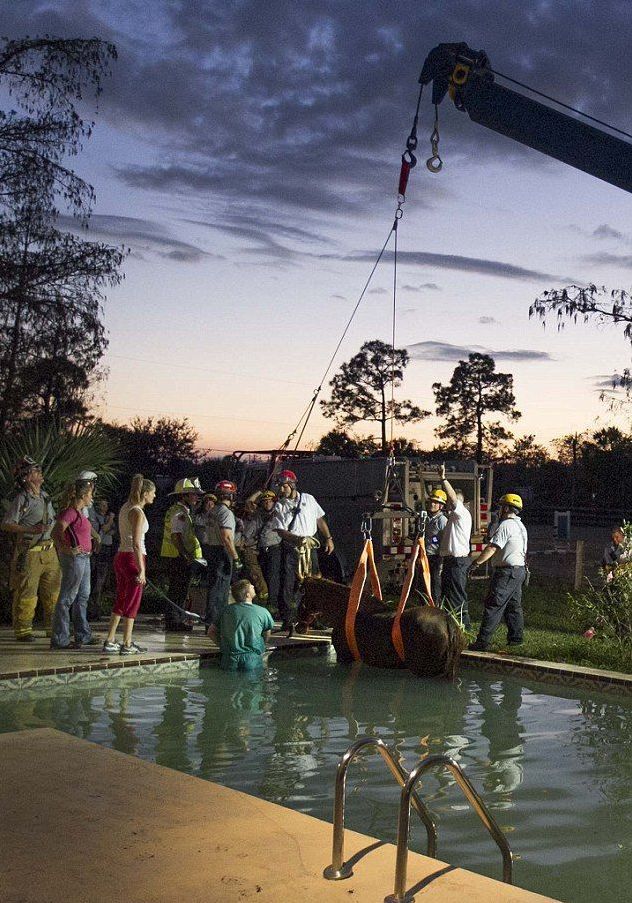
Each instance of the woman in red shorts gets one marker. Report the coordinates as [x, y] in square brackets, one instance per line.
[129, 566]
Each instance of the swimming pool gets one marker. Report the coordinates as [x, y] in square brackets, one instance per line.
[554, 767]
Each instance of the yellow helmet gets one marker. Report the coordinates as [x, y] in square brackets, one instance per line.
[438, 495]
[512, 500]
[186, 486]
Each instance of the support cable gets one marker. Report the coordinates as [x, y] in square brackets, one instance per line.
[561, 103]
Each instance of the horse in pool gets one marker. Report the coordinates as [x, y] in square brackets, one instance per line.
[432, 639]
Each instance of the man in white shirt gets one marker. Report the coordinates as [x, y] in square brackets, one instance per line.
[507, 550]
[297, 516]
[455, 551]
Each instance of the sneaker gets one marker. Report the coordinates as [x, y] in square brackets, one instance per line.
[112, 648]
[129, 650]
[476, 646]
[138, 648]
[93, 641]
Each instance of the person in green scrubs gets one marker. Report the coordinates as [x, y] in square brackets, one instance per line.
[242, 630]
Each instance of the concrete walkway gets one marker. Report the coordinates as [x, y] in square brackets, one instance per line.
[81, 823]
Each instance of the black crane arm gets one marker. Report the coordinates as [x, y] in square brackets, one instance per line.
[466, 75]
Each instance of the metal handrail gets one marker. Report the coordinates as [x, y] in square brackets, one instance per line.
[338, 868]
[399, 894]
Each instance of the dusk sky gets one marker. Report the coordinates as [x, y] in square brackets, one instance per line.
[248, 152]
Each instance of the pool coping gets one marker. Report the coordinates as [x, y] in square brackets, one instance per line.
[548, 672]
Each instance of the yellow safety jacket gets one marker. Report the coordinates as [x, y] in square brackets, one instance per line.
[190, 540]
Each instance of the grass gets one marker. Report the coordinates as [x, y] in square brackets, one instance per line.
[551, 633]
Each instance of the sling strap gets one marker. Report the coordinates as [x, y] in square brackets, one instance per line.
[418, 558]
[365, 565]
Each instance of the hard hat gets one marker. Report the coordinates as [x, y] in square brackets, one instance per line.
[226, 489]
[86, 476]
[24, 466]
[267, 494]
[438, 495]
[186, 485]
[286, 476]
[511, 500]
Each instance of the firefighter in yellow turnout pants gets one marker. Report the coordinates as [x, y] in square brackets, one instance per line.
[35, 571]
[181, 548]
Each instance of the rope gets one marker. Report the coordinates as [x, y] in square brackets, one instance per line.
[392, 418]
[562, 104]
[310, 407]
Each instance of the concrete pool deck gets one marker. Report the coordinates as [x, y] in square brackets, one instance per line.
[28, 665]
[82, 823]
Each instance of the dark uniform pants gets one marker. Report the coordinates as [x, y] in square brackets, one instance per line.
[454, 586]
[289, 583]
[434, 563]
[220, 572]
[504, 601]
[271, 561]
[180, 574]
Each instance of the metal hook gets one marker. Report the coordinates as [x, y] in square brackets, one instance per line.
[435, 163]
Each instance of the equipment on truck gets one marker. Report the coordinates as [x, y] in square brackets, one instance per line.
[348, 488]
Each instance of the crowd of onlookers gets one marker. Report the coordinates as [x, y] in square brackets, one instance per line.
[64, 559]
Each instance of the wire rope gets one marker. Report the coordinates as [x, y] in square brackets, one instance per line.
[304, 418]
[561, 103]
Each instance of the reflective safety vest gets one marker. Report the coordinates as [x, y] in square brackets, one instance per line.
[190, 540]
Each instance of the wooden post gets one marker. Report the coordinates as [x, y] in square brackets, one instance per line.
[579, 564]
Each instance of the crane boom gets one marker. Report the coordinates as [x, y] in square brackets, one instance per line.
[466, 75]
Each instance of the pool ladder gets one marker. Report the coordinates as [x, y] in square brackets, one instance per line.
[407, 781]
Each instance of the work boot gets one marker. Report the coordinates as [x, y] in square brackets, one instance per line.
[26, 638]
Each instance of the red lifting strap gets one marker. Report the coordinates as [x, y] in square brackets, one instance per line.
[403, 177]
[366, 564]
[418, 557]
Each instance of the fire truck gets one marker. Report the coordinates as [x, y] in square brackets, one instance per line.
[350, 489]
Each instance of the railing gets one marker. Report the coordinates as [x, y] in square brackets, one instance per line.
[338, 868]
[399, 894]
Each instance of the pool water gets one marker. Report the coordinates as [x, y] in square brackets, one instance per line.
[554, 766]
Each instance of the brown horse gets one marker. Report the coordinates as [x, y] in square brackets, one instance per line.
[432, 640]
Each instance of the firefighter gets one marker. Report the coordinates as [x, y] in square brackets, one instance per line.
[35, 571]
[223, 559]
[248, 545]
[454, 549]
[181, 548]
[435, 525]
[297, 519]
[507, 549]
[270, 548]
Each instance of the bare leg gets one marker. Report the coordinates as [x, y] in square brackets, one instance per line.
[114, 623]
[128, 626]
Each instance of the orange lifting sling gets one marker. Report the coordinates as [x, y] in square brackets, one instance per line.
[366, 564]
[418, 557]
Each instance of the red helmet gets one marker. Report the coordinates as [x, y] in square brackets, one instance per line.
[226, 489]
[286, 476]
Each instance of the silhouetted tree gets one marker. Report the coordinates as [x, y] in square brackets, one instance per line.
[589, 303]
[526, 451]
[51, 283]
[340, 443]
[361, 391]
[474, 391]
[156, 446]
